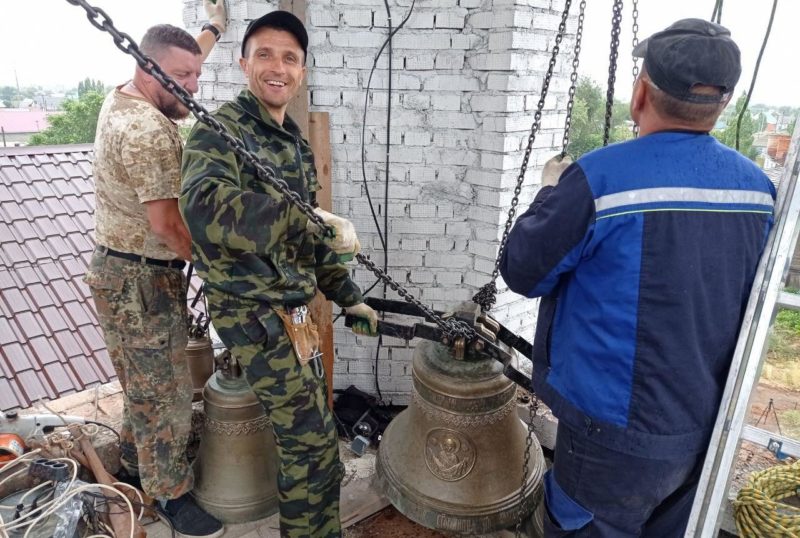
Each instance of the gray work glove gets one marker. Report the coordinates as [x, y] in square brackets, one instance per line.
[553, 169]
[344, 241]
[217, 15]
[367, 323]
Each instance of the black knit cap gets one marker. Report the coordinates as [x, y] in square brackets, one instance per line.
[280, 20]
[692, 52]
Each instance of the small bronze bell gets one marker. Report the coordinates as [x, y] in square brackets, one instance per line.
[200, 359]
[453, 459]
[237, 465]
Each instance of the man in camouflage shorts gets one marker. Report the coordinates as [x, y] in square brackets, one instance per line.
[261, 258]
[135, 274]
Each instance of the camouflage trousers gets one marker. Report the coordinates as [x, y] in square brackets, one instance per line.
[142, 312]
[295, 400]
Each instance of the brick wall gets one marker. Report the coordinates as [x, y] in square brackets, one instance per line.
[465, 84]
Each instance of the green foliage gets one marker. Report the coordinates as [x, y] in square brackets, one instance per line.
[788, 321]
[76, 125]
[746, 132]
[88, 85]
[588, 119]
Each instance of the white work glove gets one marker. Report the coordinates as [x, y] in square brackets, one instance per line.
[215, 10]
[553, 169]
[344, 242]
[367, 324]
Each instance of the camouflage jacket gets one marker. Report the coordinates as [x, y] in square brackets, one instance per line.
[247, 240]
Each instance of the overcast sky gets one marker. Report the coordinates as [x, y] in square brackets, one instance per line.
[50, 42]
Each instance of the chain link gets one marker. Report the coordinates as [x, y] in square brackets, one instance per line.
[573, 79]
[634, 43]
[100, 20]
[533, 409]
[616, 20]
[486, 296]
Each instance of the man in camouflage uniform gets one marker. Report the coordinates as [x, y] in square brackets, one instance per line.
[258, 258]
[135, 274]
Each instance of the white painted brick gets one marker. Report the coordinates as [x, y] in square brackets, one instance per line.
[449, 278]
[451, 19]
[483, 265]
[326, 97]
[400, 81]
[470, 4]
[414, 243]
[334, 79]
[357, 17]
[450, 60]
[518, 40]
[452, 295]
[453, 120]
[411, 227]
[451, 83]
[323, 17]
[417, 101]
[497, 103]
[232, 75]
[442, 244]
[257, 9]
[423, 211]
[435, 259]
[424, 174]
[417, 138]
[328, 59]
[446, 101]
[427, 41]
[486, 250]
[419, 62]
[348, 38]
[422, 277]
[465, 41]
[455, 229]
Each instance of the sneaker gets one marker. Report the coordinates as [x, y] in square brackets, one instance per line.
[189, 520]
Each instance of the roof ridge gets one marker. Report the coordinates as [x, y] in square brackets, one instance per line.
[46, 150]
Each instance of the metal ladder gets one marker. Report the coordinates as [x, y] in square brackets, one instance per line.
[766, 297]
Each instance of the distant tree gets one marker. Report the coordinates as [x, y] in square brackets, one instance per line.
[747, 129]
[76, 125]
[790, 127]
[8, 95]
[89, 85]
[588, 119]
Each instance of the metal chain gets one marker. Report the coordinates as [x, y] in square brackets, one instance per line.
[486, 296]
[100, 20]
[634, 43]
[573, 79]
[533, 409]
[616, 20]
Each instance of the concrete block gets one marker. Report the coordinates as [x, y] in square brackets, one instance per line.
[442, 244]
[450, 102]
[486, 250]
[411, 227]
[451, 83]
[499, 41]
[326, 98]
[323, 17]
[423, 211]
[357, 17]
[497, 103]
[465, 41]
[428, 41]
[419, 62]
[452, 18]
[349, 38]
[453, 120]
[328, 59]
[450, 60]
[437, 259]
[422, 277]
[417, 101]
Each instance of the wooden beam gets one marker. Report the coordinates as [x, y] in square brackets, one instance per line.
[321, 310]
[298, 107]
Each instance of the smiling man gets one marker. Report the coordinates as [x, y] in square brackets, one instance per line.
[263, 262]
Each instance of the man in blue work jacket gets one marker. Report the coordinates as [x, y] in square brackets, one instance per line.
[644, 253]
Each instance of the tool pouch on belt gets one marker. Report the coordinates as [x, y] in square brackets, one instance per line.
[302, 332]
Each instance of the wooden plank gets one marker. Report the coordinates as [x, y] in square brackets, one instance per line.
[321, 310]
[359, 500]
[298, 107]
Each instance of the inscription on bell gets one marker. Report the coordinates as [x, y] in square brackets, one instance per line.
[449, 455]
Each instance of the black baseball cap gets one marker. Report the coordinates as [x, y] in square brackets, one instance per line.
[280, 20]
[692, 52]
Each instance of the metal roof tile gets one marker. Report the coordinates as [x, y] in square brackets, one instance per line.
[29, 325]
[15, 300]
[54, 317]
[86, 222]
[45, 354]
[54, 207]
[41, 298]
[104, 363]
[92, 337]
[5, 194]
[59, 247]
[26, 275]
[23, 230]
[52, 171]
[22, 191]
[37, 250]
[16, 357]
[64, 291]
[10, 175]
[68, 343]
[32, 387]
[13, 253]
[84, 369]
[9, 395]
[74, 267]
[12, 211]
[78, 313]
[46, 227]
[31, 172]
[6, 280]
[59, 378]
[34, 209]
[8, 333]
[51, 271]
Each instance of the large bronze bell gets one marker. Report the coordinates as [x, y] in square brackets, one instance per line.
[200, 359]
[453, 459]
[237, 465]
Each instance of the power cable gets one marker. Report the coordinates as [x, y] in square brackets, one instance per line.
[716, 15]
[755, 71]
[382, 233]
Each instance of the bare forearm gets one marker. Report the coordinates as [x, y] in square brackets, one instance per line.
[177, 239]
[206, 39]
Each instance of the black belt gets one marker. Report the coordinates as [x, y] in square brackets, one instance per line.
[172, 264]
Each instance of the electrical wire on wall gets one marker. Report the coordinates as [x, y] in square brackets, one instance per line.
[383, 232]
